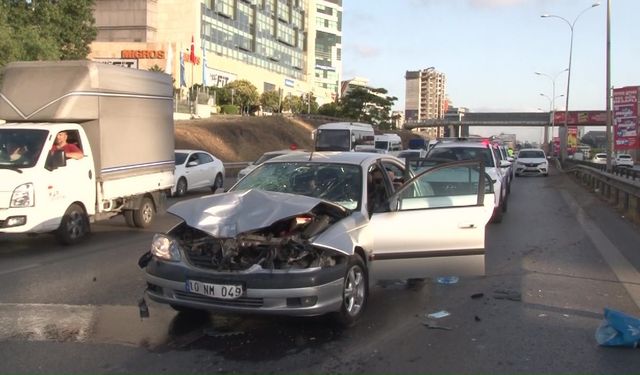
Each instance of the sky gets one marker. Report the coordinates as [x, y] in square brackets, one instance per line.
[491, 49]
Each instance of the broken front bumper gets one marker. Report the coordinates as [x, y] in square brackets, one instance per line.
[293, 292]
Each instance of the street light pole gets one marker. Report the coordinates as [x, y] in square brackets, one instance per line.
[553, 104]
[563, 131]
[609, 114]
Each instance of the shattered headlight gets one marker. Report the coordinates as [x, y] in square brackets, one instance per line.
[165, 248]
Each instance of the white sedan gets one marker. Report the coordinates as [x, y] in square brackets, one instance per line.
[305, 234]
[196, 169]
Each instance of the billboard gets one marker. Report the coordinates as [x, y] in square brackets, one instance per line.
[625, 118]
[581, 118]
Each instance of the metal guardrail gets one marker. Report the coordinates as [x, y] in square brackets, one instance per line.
[231, 169]
[620, 187]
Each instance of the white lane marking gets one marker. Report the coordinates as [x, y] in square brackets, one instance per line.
[621, 267]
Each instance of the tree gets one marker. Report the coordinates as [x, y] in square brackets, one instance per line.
[293, 104]
[368, 105]
[270, 101]
[46, 30]
[156, 68]
[243, 94]
[330, 109]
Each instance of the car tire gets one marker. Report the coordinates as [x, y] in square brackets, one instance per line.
[517, 174]
[496, 218]
[355, 292]
[143, 216]
[546, 174]
[74, 226]
[217, 183]
[181, 187]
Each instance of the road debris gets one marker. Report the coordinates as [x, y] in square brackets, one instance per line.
[618, 329]
[507, 294]
[433, 325]
[144, 310]
[477, 295]
[439, 314]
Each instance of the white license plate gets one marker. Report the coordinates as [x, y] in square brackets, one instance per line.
[224, 291]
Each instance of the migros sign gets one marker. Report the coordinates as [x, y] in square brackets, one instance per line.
[142, 54]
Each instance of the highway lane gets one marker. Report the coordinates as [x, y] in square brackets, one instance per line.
[558, 252]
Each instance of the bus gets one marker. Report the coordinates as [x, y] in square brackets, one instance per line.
[342, 136]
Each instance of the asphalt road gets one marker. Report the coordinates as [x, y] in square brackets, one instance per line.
[552, 265]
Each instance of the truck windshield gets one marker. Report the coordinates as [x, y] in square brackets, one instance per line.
[21, 148]
[382, 145]
[333, 140]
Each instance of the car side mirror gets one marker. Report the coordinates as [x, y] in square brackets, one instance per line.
[510, 159]
[192, 163]
[505, 163]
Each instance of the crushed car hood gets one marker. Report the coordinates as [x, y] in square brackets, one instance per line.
[232, 213]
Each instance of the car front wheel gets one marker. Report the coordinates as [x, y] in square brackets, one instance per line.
[74, 226]
[181, 187]
[355, 292]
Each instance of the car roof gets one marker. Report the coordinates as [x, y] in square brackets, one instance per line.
[283, 151]
[345, 157]
[188, 151]
[462, 142]
[531, 149]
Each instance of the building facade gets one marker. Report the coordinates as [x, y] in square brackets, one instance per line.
[271, 43]
[328, 50]
[425, 98]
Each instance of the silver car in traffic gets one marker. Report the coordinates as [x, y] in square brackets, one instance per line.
[306, 234]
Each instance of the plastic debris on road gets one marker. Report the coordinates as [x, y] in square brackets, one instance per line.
[618, 329]
[439, 314]
[446, 280]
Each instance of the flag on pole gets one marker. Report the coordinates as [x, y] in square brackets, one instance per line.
[183, 82]
[168, 66]
[204, 66]
[192, 55]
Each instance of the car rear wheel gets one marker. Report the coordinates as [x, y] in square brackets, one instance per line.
[74, 226]
[217, 183]
[143, 216]
[355, 292]
[181, 187]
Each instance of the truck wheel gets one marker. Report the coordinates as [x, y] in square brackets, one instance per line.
[181, 187]
[74, 226]
[128, 218]
[143, 216]
[355, 292]
[217, 183]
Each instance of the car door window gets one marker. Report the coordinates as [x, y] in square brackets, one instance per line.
[448, 185]
[204, 158]
[378, 189]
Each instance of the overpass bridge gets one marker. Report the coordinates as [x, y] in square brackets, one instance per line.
[517, 119]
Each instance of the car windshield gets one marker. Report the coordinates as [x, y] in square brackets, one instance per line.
[337, 183]
[21, 148]
[531, 154]
[463, 153]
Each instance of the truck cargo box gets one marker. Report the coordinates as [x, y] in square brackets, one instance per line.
[126, 113]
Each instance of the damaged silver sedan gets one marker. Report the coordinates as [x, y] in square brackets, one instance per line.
[306, 234]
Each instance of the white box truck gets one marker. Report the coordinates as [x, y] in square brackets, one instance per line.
[120, 119]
